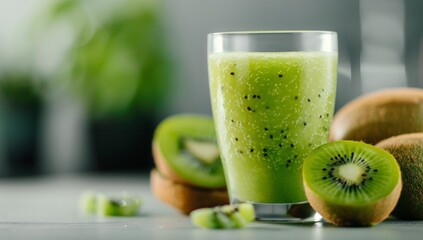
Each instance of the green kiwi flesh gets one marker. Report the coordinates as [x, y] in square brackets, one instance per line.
[187, 145]
[88, 202]
[226, 216]
[352, 183]
[100, 204]
[408, 150]
[124, 205]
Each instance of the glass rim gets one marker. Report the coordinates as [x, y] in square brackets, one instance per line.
[269, 32]
[272, 41]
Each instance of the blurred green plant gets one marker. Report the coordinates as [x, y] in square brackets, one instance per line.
[20, 105]
[18, 88]
[116, 60]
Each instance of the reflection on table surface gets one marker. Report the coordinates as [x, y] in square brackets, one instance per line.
[47, 207]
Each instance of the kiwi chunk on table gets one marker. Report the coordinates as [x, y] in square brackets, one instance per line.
[226, 216]
[124, 204]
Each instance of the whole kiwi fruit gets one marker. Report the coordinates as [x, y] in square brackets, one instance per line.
[408, 151]
[379, 115]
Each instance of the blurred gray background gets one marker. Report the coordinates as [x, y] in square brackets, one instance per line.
[380, 46]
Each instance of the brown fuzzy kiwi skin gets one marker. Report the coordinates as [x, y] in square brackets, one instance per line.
[354, 216]
[184, 197]
[379, 115]
[408, 151]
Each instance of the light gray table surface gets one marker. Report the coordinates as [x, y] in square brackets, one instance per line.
[47, 208]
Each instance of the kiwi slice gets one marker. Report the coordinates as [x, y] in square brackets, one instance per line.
[226, 216]
[185, 150]
[352, 183]
[185, 198]
[125, 204]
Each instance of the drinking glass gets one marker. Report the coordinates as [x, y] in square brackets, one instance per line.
[272, 96]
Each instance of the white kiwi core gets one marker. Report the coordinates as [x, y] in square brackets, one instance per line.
[205, 151]
[351, 173]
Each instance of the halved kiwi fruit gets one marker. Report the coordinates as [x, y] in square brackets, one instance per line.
[352, 183]
[408, 151]
[185, 150]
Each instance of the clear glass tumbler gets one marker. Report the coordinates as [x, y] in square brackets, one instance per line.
[272, 96]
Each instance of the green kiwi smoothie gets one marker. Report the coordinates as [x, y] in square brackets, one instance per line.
[270, 110]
